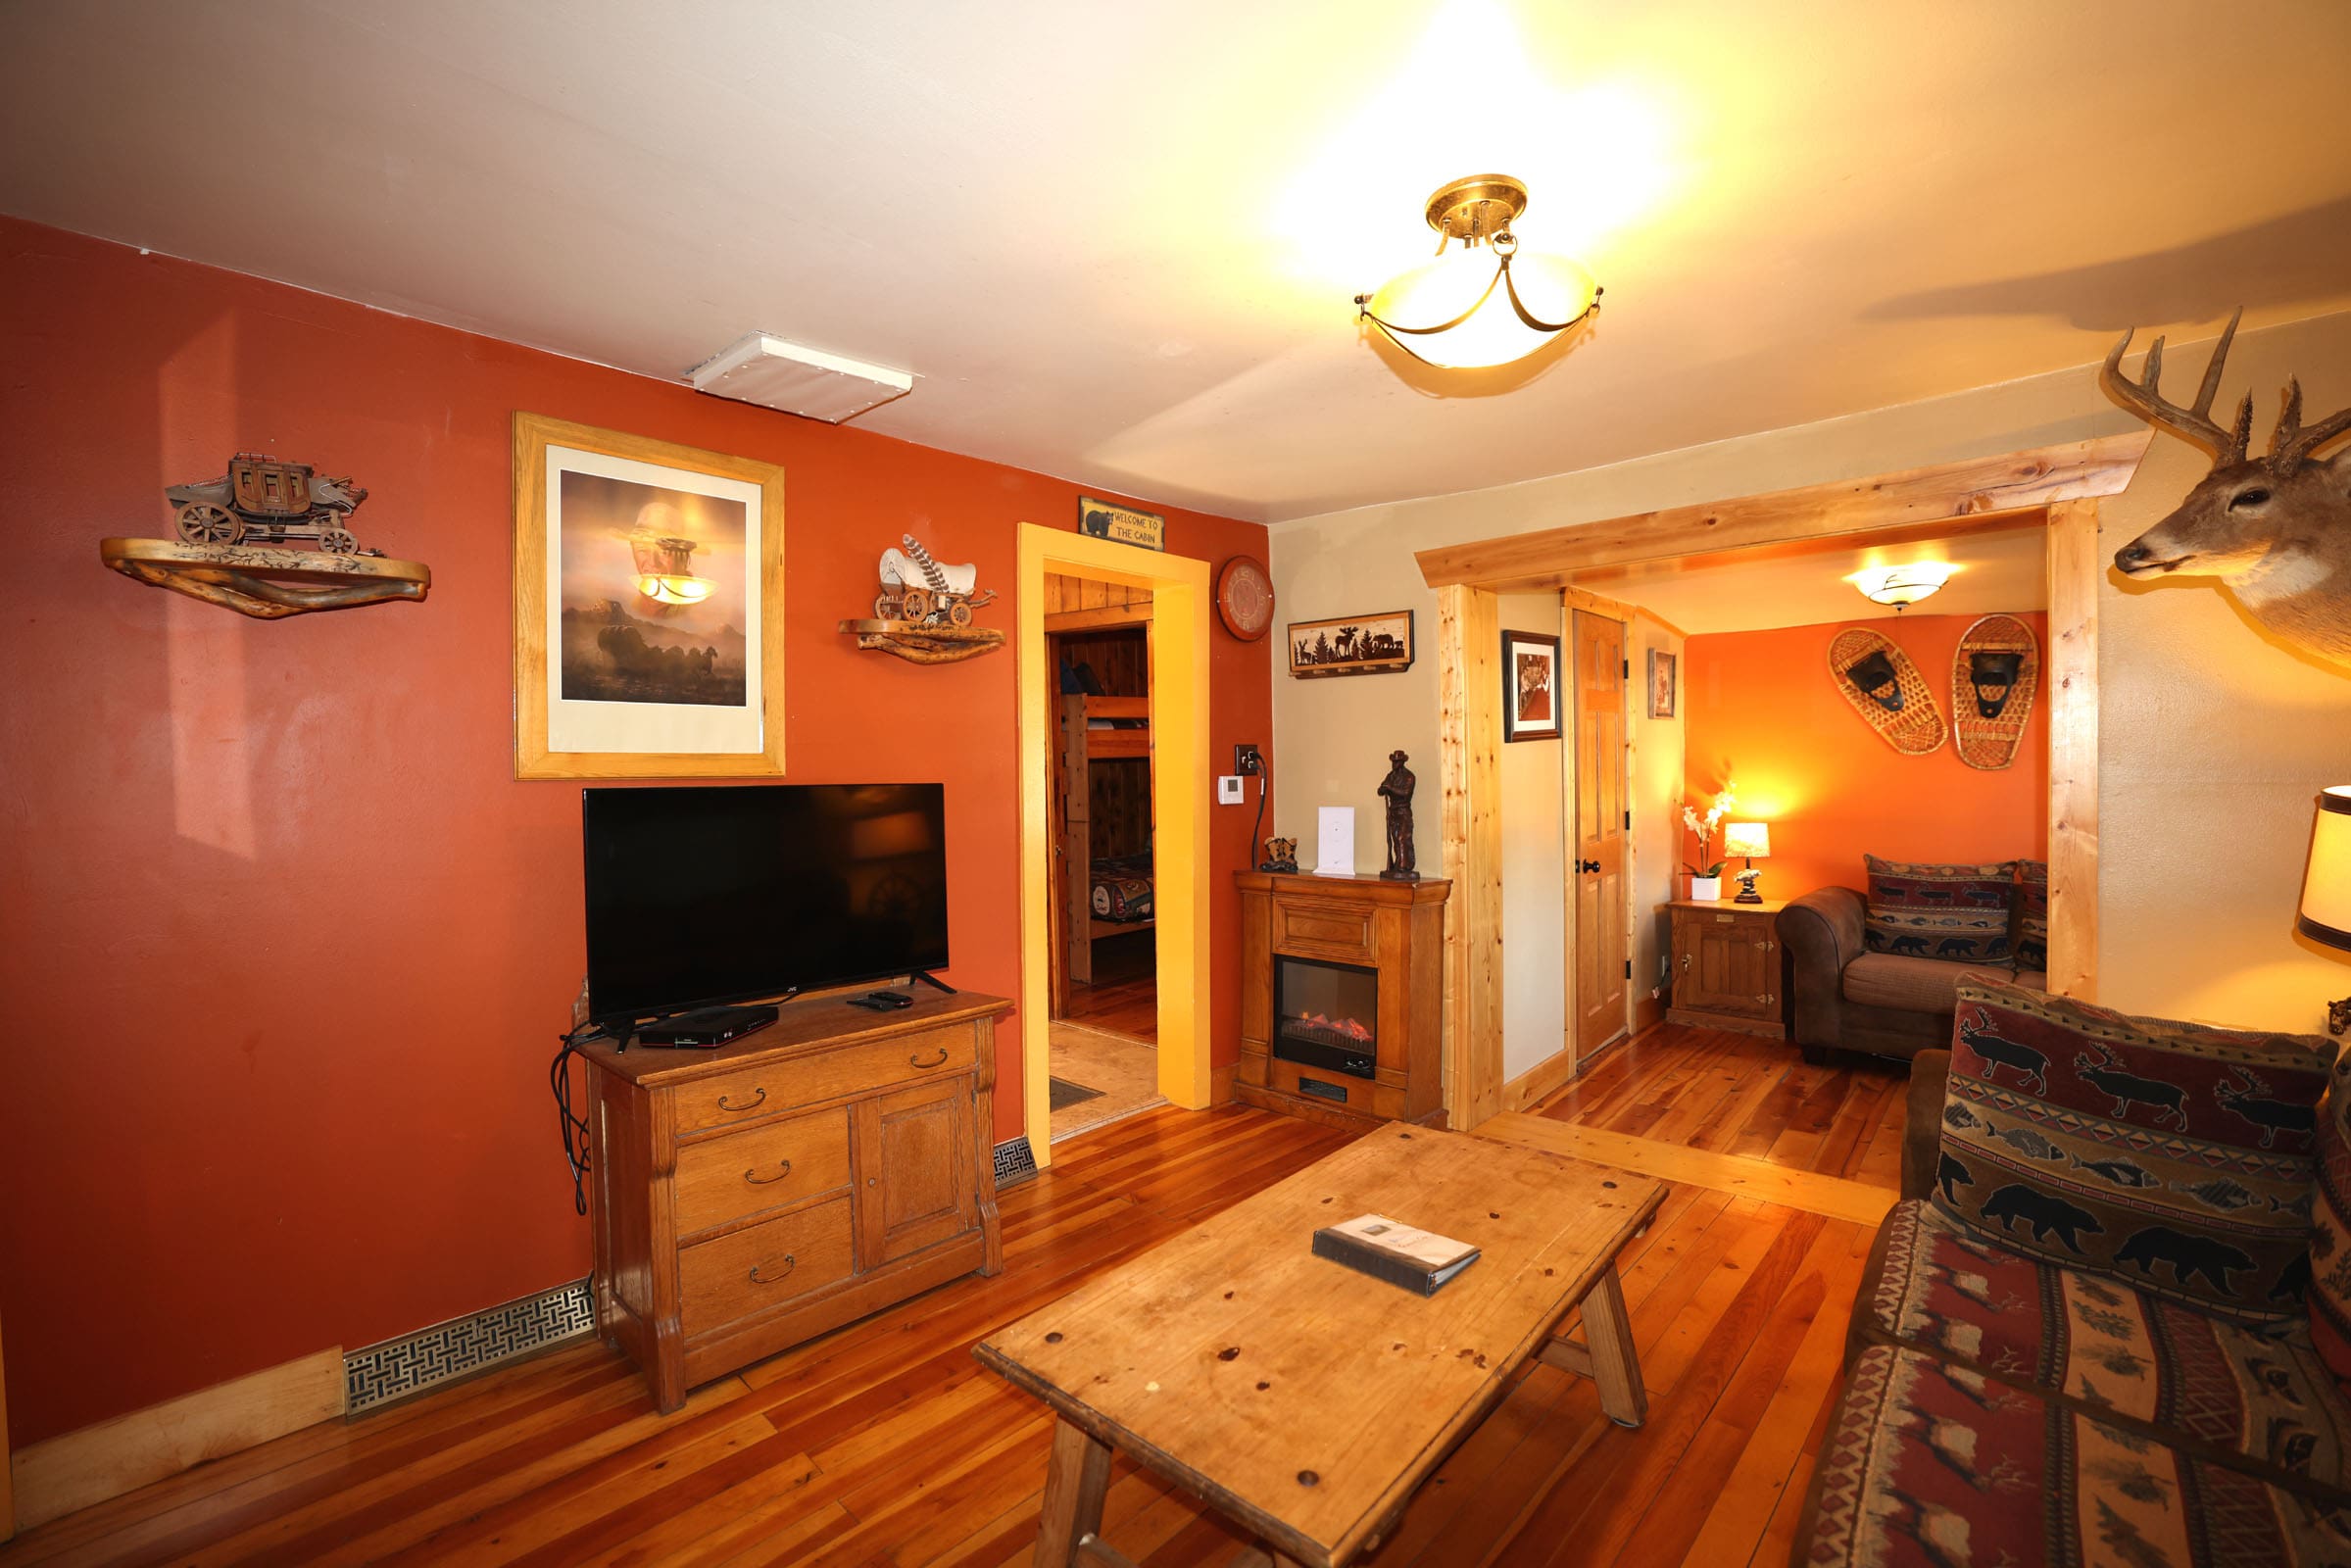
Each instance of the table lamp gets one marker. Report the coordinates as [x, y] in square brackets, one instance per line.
[2326, 915]
[1754, 840]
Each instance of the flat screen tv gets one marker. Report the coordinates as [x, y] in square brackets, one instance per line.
[702, 895]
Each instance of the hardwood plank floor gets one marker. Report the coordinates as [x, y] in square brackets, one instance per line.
[1124, 998]
[885, 1445]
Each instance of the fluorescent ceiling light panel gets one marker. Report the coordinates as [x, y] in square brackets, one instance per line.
[773, 373]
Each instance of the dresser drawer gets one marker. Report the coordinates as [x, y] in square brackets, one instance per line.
[807, 1080]
[1327, 931]
[767, 1166]
[764, 1266]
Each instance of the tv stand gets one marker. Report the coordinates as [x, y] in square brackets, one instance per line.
[930, 979]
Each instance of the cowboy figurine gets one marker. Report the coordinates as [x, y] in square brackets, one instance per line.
[1397, 790]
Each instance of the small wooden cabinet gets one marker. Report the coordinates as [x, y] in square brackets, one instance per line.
[746, 1198]
[1730, 968]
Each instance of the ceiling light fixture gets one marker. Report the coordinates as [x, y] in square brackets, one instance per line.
[1901, 586]
[1480, 309]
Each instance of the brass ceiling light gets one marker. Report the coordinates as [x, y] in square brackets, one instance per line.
[1467, 326]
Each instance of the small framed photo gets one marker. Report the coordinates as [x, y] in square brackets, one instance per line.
[1351, 644]
[649, 599]
[1530, 687]
[1661, 684]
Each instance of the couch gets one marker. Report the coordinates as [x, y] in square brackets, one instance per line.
[1848, 998]
[2005, 1403]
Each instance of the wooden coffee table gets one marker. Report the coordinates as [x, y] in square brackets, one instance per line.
[1305, 1401]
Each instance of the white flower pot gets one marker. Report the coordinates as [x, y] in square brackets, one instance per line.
[1708, 888]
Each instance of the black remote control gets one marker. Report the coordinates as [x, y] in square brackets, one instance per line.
[894, 999]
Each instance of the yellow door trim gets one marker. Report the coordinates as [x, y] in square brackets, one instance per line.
[1181, 786]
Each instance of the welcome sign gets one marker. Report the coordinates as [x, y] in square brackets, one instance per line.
[1107, 519]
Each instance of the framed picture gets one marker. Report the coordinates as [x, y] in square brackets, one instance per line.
[1661, 684]
[1107, 519]
[649, 604]
[1530, 687]
[1351, 644]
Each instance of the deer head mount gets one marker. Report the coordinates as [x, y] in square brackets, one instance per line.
[2277, 528]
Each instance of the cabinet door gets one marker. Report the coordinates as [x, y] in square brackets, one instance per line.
[915, 1170]
[1723, 965]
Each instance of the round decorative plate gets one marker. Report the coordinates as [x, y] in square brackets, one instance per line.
[1244, 598]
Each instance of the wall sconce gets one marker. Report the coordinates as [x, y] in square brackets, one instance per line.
[1468, 328]
[2326, 913]
[1901, 586]
[1752, 840]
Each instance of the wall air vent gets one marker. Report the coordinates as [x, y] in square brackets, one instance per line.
[809, 382]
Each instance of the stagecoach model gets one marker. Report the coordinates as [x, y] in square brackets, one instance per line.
[261, 499]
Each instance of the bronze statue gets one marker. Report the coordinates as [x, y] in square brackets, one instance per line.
[1397, 790]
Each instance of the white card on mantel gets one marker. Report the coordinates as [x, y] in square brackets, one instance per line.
[1335, 841]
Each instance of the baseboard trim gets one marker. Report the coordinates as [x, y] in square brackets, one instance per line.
[1016, 1162]
[80, 1469]
[464, 1347]
[1539, 1080]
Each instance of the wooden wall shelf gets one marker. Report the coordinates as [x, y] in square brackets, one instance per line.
[919, 644]
[266, 581]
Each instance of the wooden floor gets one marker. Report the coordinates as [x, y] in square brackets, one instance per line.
[884, 1446]
[1124, 998]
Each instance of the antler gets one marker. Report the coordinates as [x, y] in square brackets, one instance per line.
[2291, 445]
[2195, 423]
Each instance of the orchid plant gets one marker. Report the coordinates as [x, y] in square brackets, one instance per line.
[1705, 827]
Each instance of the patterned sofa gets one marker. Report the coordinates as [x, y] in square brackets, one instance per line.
[2089, 1333]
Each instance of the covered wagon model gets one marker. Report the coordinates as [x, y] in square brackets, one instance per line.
[264, 500]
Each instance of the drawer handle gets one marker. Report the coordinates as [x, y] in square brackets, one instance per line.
[789, 1263]
[916, 1061]
[758, 1099]
[752, 1176]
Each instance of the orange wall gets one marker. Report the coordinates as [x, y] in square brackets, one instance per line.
[1758, 707]
[284, 947]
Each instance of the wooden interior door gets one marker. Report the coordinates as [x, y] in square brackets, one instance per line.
[1596, 854]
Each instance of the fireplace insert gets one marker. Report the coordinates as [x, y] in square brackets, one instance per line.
[1326, 1015]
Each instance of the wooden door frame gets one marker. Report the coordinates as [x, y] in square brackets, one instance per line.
[1181, 790]
[2063, 482]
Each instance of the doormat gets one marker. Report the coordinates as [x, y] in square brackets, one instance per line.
[1062, 1094]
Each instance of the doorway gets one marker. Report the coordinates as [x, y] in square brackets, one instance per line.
[1597, 932]
[1102, 954]
[1175, 636]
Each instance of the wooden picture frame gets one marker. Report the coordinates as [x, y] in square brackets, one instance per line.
[1380, 644]
[633, 659]
[1663, 675]
[1531, 695]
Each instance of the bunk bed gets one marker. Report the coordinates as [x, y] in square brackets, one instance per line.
[1103, 895]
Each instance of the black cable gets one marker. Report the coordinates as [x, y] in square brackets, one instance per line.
[574, 1127]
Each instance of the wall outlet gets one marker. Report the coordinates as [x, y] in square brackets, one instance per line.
[1228, 790]
[1246, 759]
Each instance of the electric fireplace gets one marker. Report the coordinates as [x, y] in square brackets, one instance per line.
[1342, 992]
[1326, 1015]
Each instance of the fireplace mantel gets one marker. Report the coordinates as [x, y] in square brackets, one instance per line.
[1396, 929]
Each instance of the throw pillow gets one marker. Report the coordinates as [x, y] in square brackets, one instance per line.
[2172, 1156]
[2031, 943]
[1958, 913]
[2330, 1236]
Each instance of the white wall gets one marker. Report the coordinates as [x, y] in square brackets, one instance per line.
[2213, 745]
[1534, 835]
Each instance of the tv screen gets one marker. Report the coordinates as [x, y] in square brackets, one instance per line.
[737, 892]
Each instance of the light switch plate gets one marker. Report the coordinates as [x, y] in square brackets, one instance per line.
[1228, 789]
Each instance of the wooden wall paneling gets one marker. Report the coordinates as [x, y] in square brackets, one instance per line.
[1470, 731]
[1968, 493]
[2075, 565]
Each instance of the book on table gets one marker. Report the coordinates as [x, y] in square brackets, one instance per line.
[1400, 1253]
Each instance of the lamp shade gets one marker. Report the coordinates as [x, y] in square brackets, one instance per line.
[1750, 840]
[2327, 885]
[1553, 289]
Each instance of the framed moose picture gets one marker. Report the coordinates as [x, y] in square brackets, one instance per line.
[1530, 687]
[1351, 644]
[649, 636]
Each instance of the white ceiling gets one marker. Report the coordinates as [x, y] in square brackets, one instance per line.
[1118, 241]
[1994, 570]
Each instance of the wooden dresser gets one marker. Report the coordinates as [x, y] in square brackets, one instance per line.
[746, 1198]
[1730, 969]
[1380, 946]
